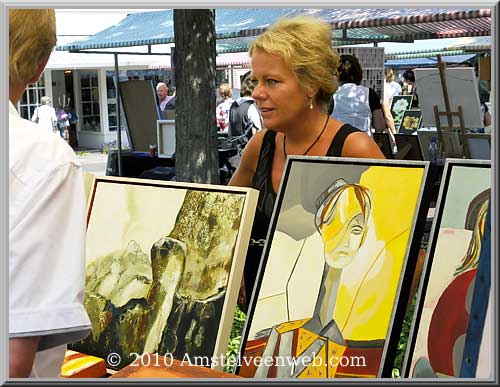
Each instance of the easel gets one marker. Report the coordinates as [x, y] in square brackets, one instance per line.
[449, 114]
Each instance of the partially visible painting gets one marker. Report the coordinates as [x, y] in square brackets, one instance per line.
[164, 267]
[438, 334]
[400, 104]
[336, 270]
[479, 305]
[411, 122]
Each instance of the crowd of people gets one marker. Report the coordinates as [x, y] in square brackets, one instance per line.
[61, 121]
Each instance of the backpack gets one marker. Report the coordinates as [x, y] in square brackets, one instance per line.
[240, 123]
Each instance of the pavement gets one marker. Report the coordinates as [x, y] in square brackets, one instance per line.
[93, 161]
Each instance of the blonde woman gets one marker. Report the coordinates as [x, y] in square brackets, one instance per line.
[292, 64]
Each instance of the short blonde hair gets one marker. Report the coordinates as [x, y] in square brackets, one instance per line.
[389, 74]
[32, 35]
[305, 44]
[225, 90]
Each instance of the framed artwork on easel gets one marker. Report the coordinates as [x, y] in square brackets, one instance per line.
[462, 91]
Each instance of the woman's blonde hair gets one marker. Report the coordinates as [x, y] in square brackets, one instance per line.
[305, 44]
[225, 90]
[32, 35]
[389, 74]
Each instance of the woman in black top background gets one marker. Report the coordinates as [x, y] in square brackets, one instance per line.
[292, 64]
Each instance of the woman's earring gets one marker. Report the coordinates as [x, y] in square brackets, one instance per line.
[311, 104]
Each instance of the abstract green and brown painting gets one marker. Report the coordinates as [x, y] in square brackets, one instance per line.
[164, 266]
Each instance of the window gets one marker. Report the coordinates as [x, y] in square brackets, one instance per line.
[111, 93]
[31, 98]
[91, 118]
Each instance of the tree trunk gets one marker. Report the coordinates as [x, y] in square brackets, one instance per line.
[197, 158]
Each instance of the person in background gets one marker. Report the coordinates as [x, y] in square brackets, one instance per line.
[222, 110]
[47, 218]
[411, 86]
[391, 87]
[244, 115]
[45, 114]
[171, 102]
[163, 97]
[73, 120]
[353, 103]
[291, 70]
[63, 122]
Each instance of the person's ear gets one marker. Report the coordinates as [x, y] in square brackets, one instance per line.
[41, 67]
[312, 92]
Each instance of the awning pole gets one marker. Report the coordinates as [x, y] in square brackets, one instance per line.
[118, 120]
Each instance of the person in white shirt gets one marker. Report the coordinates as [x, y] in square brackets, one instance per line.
[46, 218]
[222, 110]
[391, 87]
[354, 103]
[45, 114]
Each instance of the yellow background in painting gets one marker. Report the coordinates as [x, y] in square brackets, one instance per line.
[368, 285]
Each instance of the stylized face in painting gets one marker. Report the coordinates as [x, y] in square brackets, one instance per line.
[342, 223]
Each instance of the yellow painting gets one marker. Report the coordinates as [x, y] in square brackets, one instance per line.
[326, 299]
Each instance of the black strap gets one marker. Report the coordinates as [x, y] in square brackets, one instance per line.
[338, 141]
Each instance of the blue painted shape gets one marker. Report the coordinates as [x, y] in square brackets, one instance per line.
[479, 305]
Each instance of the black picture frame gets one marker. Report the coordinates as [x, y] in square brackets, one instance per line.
[397, 111]
[411, 122]
[431, 248]
[409, 263]
[408, 147]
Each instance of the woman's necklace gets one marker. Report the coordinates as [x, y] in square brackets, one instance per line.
[314, 142]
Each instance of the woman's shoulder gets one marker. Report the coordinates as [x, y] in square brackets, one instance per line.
[358, 144]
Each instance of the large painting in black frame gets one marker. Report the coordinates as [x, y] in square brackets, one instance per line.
[293, 265]
[441, 316]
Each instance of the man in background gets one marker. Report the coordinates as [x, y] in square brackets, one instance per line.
[163, 98]
[46, 218]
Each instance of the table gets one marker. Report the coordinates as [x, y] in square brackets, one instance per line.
[178, 369]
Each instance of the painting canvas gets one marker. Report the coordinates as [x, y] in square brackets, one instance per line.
[451, 142]
[485, 365]
[462, 91]
[479, 145]
[336, 271]
[437, 337]
[166, 138]
[138, 98]
[164, 266]
[400, 104]
[479, 304]
[412, 119]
